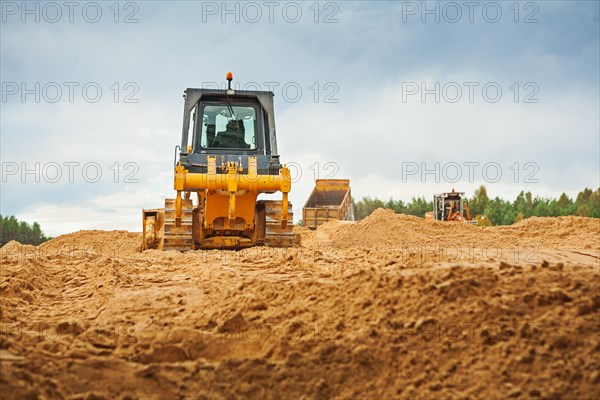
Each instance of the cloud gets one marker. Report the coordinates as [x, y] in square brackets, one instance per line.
[369, 133]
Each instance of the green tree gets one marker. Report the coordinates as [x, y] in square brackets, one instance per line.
[524, 204]
[21, 231]
[479, 202]
[594, 203]
[583, 210]
[566, 205]
[498, 211]
[584, 196]
[418, 206]
[366, 206]
[397, 205]
[519, 217]
[587, 203]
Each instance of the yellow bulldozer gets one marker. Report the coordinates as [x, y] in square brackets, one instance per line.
[228, 156]
[450, 206]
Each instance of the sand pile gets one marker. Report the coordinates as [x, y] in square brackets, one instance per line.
[384, 229]
[343, 316]
[562, 232]
[101, 242]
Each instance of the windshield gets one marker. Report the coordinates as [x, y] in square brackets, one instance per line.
[227, 126]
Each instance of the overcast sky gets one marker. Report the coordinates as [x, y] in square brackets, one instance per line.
[403, 98]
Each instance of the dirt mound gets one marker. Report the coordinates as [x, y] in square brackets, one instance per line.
[103, 242]
[21, 273]
[385, 229]
[15, 247]
[349, 314]
[568, 231]
[565, 222]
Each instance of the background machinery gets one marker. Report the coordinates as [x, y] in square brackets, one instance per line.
[450, 206]
[329, 200]
[228, 156]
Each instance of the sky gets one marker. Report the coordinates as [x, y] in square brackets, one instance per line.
[404, 98]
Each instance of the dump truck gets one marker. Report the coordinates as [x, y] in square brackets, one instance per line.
[329, 200]
[450, 206]
[228, 157]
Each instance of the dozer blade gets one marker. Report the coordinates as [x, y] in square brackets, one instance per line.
[275, 234]
[178, 237]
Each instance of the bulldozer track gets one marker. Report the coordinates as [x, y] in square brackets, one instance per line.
[275, 235]
[178, 237]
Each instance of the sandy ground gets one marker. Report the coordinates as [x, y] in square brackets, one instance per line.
[389, 307]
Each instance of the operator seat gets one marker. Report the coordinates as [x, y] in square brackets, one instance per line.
[232, 137]
[210, 134]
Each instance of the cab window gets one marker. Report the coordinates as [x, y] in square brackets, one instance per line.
[227, 126]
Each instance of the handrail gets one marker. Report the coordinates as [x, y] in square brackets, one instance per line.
[175, 155]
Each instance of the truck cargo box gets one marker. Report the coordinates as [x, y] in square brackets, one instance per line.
[329, 200]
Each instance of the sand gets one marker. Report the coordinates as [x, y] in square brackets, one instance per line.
[389, 307]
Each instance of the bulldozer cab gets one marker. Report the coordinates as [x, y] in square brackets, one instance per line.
[449, 206]
[225, 126]
[231, 126]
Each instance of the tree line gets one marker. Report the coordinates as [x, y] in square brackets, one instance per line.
[497, 211]
[13, 229]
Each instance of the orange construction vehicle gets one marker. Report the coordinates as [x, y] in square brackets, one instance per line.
[450, 206]
[227, 158]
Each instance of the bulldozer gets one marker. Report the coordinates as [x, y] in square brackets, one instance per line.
[450, 206]
[228, 157]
